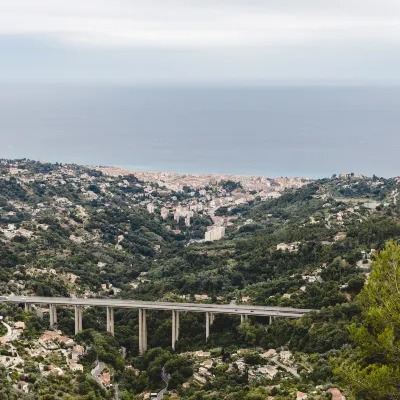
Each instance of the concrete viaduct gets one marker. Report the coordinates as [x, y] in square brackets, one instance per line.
[176, 308]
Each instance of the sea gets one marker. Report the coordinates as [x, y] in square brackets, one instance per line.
[312, 131]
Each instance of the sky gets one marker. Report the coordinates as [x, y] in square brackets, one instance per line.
[200, 41]
[72, 74]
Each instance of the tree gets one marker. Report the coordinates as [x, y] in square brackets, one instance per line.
[373, 373]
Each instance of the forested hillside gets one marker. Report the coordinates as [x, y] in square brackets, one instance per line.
[72, 231]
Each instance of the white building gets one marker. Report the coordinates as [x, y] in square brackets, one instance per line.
[164, 213]
[215, 234]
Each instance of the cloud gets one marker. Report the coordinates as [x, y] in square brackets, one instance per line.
[202, 24]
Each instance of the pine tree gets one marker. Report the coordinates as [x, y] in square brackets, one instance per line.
[373, 371]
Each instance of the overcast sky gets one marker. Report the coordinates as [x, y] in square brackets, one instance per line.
[197, 41]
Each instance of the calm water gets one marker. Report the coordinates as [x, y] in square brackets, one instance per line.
[313, 131]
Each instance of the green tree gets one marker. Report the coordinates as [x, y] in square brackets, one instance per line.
[373, 373]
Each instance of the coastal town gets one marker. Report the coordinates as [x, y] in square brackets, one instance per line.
[176, 198]
[204, 194]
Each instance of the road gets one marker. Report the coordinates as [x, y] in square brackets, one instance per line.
[9, 336]
[165, 377]
[192, 307]
[96, 371]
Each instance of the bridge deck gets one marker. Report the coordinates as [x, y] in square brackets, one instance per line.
[190, 307]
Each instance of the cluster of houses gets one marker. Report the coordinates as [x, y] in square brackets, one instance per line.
[49, 344]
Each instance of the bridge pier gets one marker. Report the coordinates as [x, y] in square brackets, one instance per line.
[212, 317]
[177, 325]
[210, 310]
[207, 326]
[175, 328]
[78, 319]
[110, 320]
[53, 316]
[142, 331]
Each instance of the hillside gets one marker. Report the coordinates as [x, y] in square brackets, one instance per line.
[75, 231]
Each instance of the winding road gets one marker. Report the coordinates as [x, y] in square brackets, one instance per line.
[96, 371]
[8, 337]
[165, 377]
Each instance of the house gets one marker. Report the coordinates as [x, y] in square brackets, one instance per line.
[290, 247]
[186, 385]
[76, 367]
[216, 233]
[309, 278]
[269, 370]
[19, 325]
[48, 338]
[65, 340]
[269, 353]
[285, 355]
[56, 370]
[199, 379]
[301, 396]
[246, 299]
[199, 297]
[76, 352]
[105, 378]
[203, 371]
[336, 394]
[202, 353]
[207, 364]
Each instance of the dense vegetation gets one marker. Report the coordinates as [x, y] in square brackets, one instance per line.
[92, 236]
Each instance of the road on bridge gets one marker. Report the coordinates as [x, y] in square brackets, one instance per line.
[286, 312]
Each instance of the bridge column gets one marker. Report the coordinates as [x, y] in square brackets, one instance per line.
[142, 331]
[53, 315]
[28, 307]
[270, 320]
[207, 325]
[177, 325]
[212, 317]
[110, 320]
[78, 319]
[173, 330]
[241, 318]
